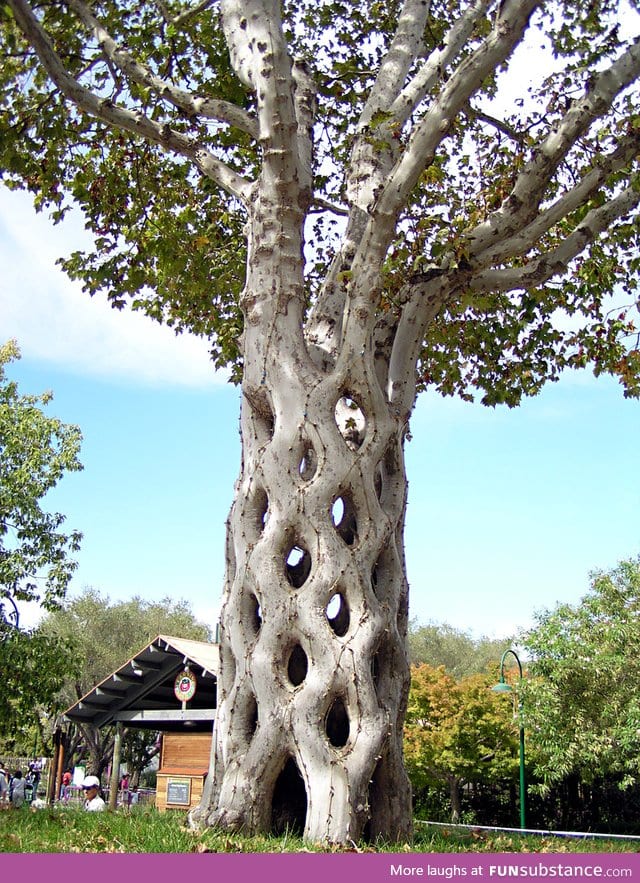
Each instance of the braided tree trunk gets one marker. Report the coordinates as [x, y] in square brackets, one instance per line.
[314, 671]
[314, 674]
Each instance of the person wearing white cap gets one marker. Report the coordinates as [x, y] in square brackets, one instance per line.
[91, 787]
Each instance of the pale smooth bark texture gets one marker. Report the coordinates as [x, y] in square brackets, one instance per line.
[452, 230]
[314, 667]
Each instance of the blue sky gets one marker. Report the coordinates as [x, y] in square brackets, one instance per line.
[508, 510]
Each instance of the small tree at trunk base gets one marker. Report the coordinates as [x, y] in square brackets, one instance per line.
[326, 191]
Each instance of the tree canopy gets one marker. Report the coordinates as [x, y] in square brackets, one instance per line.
[36, 450]
[459, 652]
[582, 708]
[143, 118]
[457, 733]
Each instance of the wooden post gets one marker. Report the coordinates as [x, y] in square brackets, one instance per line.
[115, 767]
[53, 769]
[59, 767]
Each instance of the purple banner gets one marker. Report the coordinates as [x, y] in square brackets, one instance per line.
[320, 868]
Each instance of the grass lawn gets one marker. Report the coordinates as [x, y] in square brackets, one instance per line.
[148, 831]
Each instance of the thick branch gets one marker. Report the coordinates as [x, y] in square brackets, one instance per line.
[431, 71]
[368, 168]
[305, 102]
[556, 262]
[210, 108]
[524, 240]
[119, 117]
[405, 47]
[259, 57]
[285, 107]
[373, 179]
[521, 205]
[463, 83]
[425, 302]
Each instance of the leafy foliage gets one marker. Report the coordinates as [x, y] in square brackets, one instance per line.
[35, 452]
[581, 699]
[34, 668]
[440, 644]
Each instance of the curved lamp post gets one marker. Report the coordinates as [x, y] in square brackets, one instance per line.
[503, 687]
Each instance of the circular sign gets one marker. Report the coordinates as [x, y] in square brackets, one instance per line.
[184, 686]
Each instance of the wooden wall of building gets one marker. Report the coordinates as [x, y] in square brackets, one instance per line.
[184, 762]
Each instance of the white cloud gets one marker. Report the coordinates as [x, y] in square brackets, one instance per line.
[209, 614]
[55, 321]
[30, 615]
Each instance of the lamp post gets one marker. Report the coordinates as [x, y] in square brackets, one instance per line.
[503, 687]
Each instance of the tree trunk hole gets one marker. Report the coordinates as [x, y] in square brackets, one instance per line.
[308, 463]
[298, 566]
[343, 514]
[351, 421]
[337, 724]
[298, 666]
[289, 803]
[337, 612]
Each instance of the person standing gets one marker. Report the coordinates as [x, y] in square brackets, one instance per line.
[35, 771]
[91, 787]
[65, 787]
[124, 790]
[18, 787]
[4, 786]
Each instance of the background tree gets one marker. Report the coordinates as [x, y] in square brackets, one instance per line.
[461, 654]
[35, 564]
[581, 699]
[336, 196]
[457, 735]
[103, 635]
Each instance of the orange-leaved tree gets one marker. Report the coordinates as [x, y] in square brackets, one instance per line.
[457, 733]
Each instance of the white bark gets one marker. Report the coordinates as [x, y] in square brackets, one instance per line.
[522, 204]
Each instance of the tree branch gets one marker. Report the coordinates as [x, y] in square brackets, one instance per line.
[210, 108]
[378, 190]
[424, 302]
[259, 55]
[120, 117]
[305, 104]
[522, 203]
[463, 83]
[500, 125]
[555, 262]
[406, 45]
[526, 238]
[432, 69]
[188, 14]
[368, 168]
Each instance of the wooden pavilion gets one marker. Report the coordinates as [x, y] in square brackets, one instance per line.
[171, 686]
